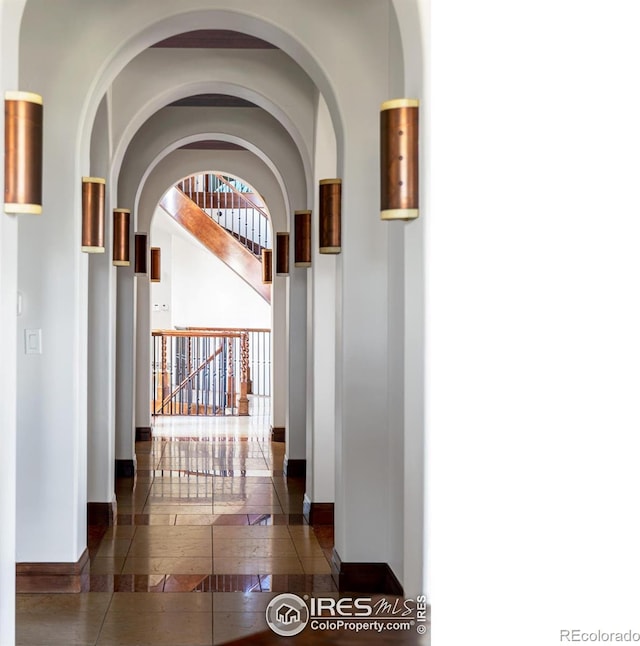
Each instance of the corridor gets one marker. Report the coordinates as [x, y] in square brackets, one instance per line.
[211, 523]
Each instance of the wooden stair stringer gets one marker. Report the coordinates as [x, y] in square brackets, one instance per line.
[216, 239]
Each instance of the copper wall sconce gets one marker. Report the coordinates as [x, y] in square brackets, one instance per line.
[330, 216]
[93, 214]
[23, 117]
[121, 218]
[140, 257]
[282, 254]
[155, 265]
[302, 232]
[267, 266]
[399, 180]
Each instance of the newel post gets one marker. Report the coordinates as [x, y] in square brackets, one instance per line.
[243, 404]
[231, 378]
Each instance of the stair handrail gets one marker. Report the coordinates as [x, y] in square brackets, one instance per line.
[205, 333]
[246, 200]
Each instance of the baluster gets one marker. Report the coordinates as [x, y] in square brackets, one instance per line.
[259, 252]
[154, 385]
[253, 232]
[199, 377]
[243, 404]
[177, 374]
[251, 350]
[205, 379]
[215, 389]
[231, 384]
[222, 377]
[164, 375]
[246, 229]
[265, 244]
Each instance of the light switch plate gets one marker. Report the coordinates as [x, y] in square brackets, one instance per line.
[33, 341]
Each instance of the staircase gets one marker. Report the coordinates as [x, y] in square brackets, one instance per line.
[231, 225]
[233, 206]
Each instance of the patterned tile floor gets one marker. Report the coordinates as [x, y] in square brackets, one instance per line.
[211, 523]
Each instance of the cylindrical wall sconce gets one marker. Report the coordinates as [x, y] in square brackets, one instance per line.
[23, 114]
[267, 266]
[282, 254]
[121, 219]
[140, 257]
[399, 182]
[330, 216]
[93, 214]
[302, 232]
[155, 264]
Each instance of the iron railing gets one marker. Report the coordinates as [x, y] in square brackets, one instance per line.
[233, 206]
[259, 369]
[209, 371]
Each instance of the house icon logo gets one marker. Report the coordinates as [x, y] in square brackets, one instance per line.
[287, 615]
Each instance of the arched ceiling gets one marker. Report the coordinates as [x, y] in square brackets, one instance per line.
[182, 76]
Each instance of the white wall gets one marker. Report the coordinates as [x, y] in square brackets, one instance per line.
[321, 332]
[101, 336]
[362, 430]
[203, 291]
[407, 314]
[10, 13]
[161, 293]
[295, 428]
[53, 277]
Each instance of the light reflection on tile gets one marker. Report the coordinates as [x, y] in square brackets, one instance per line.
[158, 628]
[267, 565]
[253, 548]
[129, 602]
[228, 626]
[168, 565]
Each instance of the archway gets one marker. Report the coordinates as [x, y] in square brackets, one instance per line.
[211, 248]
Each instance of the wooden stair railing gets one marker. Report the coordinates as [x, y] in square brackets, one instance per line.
[229, 396]
[244, 346]
[215, 238]
[204, 191]
[241, 195]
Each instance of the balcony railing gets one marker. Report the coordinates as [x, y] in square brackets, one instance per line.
[209, 371]
[259, 369]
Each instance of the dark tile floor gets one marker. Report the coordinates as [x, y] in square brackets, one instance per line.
[208, 533]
